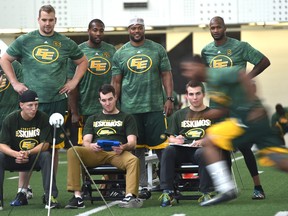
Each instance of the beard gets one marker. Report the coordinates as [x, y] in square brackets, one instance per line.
[137, 40]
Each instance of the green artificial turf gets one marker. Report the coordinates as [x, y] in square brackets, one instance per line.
[274, 184]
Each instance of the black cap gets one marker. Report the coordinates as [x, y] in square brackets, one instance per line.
[28, 96]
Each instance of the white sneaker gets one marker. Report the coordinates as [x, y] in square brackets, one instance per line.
[130, 202]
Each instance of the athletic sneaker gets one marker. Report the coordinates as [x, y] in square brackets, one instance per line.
[204, 197]
[53, 204]
[220, 197]
[258, 194]
[75, 203]
[131, 202]
[19, 200]
[1, 205]
[166, 199]
[29, 193]
[144, 194]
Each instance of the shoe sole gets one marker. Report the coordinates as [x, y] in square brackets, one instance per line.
[74, 207]
[130, 205]
[219, 199]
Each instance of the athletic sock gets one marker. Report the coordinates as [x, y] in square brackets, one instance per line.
[23, 190]
[258, 187]
[221, 176]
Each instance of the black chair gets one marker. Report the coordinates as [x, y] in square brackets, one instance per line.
[114, 188]
[187, 180]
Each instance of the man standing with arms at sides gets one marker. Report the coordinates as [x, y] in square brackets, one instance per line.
[140, 68]
[226, 52]
[83, 100]
[44, 54]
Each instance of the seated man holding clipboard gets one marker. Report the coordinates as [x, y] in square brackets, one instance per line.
[185, 137]
[108, 138]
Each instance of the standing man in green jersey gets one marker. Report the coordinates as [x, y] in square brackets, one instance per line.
[83, 100]
[140, 70]
[225, 52]
[44, 54]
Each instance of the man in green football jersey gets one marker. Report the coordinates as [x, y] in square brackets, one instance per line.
[44, 54]
[140, 67]
[279, 121]
[224, 52]
[83, 100]
[248, 122]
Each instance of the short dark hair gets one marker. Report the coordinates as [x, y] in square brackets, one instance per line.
[195, 83]
[105, 89]
[95, 21]
[47, 8]
[218, 18]
[279, 109]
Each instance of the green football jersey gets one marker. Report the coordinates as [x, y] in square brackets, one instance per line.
[44, 61]
[232, 53]
[187, 123]
[24, 135]
[141, 69]
[225, 62]
[111, 127]
[8, 96]
[97, 74]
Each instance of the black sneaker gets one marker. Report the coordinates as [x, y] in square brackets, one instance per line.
[75, 203]
[53, 204]
[221, 197]
[19, 200]
[144, 194]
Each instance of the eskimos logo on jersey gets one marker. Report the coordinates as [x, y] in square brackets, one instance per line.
[45, 54]
[221, 61]
[27, 144]
[195, 133]
[99, 65]
[106, 131]
[139, 63]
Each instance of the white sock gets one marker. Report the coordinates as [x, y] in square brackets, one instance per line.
[78, 196]
[23, 190]
[221, 176]
[128, 194]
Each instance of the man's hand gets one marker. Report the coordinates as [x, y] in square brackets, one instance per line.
[22, 157]
[68, 87]
[95, 147]
[19, 87]
[118, 149]
[168, 108]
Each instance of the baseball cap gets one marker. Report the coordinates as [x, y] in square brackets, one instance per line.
[136, 21]
[28, 96]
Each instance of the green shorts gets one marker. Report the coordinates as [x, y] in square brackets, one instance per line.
[56, 107]
[151, 130]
